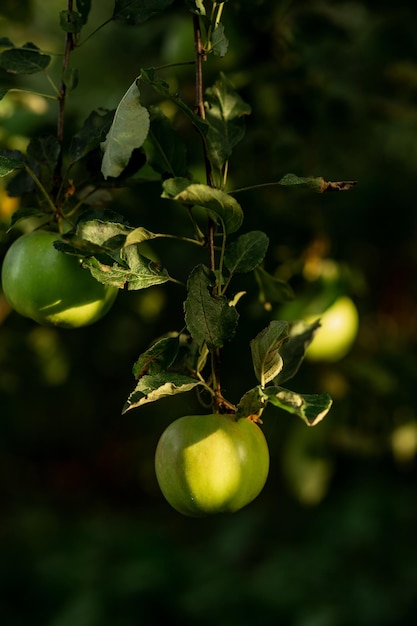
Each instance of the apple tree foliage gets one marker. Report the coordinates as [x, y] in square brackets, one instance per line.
[138, 142]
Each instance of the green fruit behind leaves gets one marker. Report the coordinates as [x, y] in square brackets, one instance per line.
[51, 287]
[208, 464]
[339, 326]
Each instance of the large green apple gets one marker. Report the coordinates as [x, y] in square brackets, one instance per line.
[209, 464]
[338, 330]
[51, 287]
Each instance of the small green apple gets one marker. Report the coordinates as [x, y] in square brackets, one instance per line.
[338, 331]
[51, 287]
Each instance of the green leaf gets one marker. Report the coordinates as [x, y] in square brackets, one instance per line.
[163, 148]
[25, 60]
[219, 205]
[128, 131]
[96, 233]
[3, 92]
[162, 88]
[251, 403]
[154, 387]
[83, 8]
[79, 247]
[9, 164]
[44, 150]
[91, 134]
[272, 290]
[157, 358]
[145, 272]
[209, 319]
[219, 41]
[139, 235]
[71, 21]
[5, 42]
[172, 187]
[292, 180]
[293, 350]
[265, 348]
[246, 252]
[25, 213]
[312, 408]
[70, 79]
[110, 234]
[225, 111]
[22, 183]
[138, 273]
[135, 12]
[191, 357]
[317, 184]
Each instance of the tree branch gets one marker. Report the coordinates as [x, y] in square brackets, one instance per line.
[69, 47]
[200, 56]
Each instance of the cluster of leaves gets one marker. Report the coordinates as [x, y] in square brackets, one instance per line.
[136, 142]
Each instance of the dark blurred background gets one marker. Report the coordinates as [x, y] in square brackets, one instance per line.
[86, 538]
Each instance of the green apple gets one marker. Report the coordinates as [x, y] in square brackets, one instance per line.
[208, 464]
[51, 287]
[338, 331]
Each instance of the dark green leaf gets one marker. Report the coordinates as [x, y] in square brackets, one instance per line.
[219, 41]
[292, 180]
[219, 205]
[3, 91]
[25, 60]
[71, 21]
[210, 320]
[191, 358]
[153, 387]
[172, 187]
[5, 42]
[225, 111]
[26, 213]
[312, 408]
[252, 403]
[79, 247]
[22, 183]
[157, 358]
[246, 252]
[135, 12]
[128, 131]
[83, 8]
[91, 135]
[317, 184]
[70, 79]
[265, 348]
[9, 164]
[272, 290]
[162, 88]
[293, 350]
[164, 150]
[44, 150]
